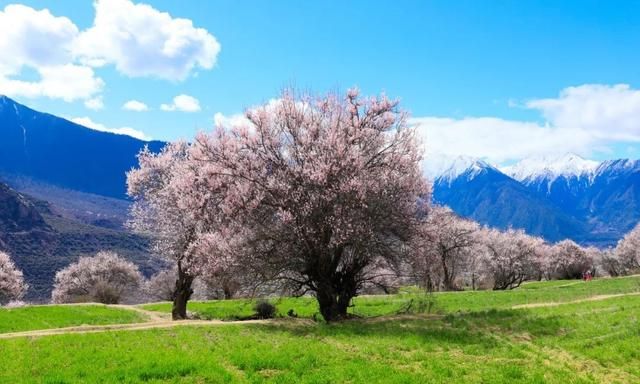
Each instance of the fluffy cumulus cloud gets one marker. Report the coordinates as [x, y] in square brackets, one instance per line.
[41, 42]
[182, 103]
[142, 41]
[34, 39]
[583, 119]
[135, 105]
[87, 122]
[45, 55]
[68, 82]
[606, 112]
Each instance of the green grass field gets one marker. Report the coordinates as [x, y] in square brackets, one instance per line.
[59, 316]
[445, 302]
[475, 337]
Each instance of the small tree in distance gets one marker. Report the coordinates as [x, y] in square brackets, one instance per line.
[105, 278]
[12, 285]
[161, 286]
[628, 250]
[443, 249]
[510, 257]
[568, 260]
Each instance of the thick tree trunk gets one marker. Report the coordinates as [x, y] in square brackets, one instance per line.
[229, 288]
[228, 293]
[334, 302]
[181, 295]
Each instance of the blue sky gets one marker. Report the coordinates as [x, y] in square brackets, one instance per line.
[500, 80]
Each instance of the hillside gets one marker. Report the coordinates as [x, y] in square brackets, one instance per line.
[41, 241]
[54, 150]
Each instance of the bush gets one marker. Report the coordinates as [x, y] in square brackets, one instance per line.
[265, 310]
[105, 278]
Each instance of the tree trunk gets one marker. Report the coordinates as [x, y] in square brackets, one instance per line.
[447, 276]
[334, 303]
[181, 295]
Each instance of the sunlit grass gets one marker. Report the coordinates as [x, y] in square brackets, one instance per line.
[594, 342]
[59, 316]
[475, 337]
[444, 302]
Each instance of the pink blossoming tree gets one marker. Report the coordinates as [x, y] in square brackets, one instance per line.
[443, 249]
[511, 257]
[12, 285]
[628, 251]
[317, 192]
[569, 261]
[105, 278]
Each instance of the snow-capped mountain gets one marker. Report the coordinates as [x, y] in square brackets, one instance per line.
[441, 167]
[557, 197]
[551, 168]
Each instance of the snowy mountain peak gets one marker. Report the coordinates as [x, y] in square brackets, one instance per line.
[448, 168]
[568, 165]
[618, 166]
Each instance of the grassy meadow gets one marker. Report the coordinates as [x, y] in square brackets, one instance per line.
[59, 316]
[469, 337]
[411, 300]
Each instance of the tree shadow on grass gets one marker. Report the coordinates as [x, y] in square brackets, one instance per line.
[484, 329]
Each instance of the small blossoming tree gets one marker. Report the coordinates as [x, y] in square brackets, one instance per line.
[105, 278]
[628, 250]
[443, 249]
[511, 257]
[12, 285]
[569, 261]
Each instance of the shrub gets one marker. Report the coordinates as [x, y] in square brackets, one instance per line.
[105, 278]
[265, 310]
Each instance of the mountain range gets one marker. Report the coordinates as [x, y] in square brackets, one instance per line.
[556, 198]
[63, 194]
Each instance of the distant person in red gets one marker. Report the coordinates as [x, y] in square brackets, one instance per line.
[586, 276]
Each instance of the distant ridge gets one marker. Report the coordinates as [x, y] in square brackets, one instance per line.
[60, 152]
[556, 198]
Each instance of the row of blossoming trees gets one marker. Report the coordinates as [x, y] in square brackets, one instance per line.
[452, 253]
[313, 195]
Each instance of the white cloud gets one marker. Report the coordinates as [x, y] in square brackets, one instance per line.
[42, 42]
[142, 41]
[138, 39]
[87, 122]
[221, 120]
[34, 39]
[96, 103]
[497, 140]
[608, 112]
[182, 103]
[68, 82]
[135, 105]
[581, 120]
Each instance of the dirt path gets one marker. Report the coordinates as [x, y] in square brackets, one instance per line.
[123, 327]
[592, 298]
[154, 319]
[153, 316]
